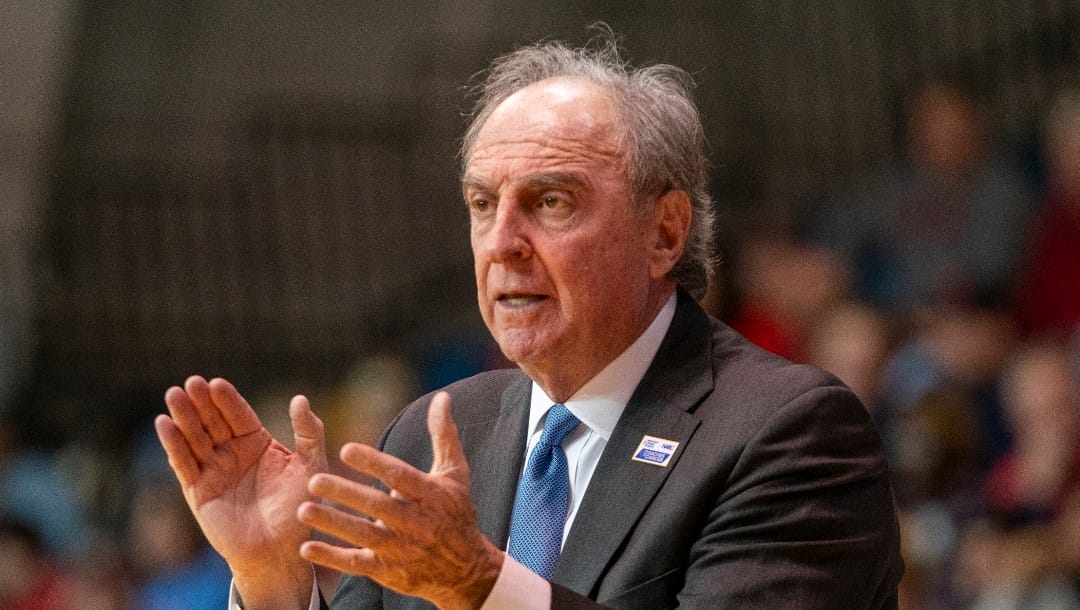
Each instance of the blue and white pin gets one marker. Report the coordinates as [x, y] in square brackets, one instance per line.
[655, 451]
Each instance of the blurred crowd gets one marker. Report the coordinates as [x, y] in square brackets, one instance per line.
[943, 289]
[86, 526]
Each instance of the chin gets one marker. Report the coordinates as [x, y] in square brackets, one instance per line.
[515, 353]
[521, 347]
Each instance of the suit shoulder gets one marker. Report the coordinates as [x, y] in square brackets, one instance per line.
[759, 383]
[736, 357]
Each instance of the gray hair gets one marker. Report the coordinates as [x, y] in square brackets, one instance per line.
[661, 135]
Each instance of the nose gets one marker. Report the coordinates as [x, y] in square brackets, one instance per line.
[505, 238]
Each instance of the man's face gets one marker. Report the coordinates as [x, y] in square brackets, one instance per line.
[561, 252]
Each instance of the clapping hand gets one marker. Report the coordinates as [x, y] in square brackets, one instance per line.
[422, 538]
[243, 486]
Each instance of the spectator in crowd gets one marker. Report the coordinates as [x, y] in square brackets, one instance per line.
[784, 288]
[1048, 295]
[361, 407]
[957, 350]
[1065, 539]
[36, 490]
[1042, 404]
[934, 462]
[852, 341]
[29, 576]
[173, 566]
[944, 226]
[1009, 566]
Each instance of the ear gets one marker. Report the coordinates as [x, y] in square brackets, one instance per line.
[671, 225]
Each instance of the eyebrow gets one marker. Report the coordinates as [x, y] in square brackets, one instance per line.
[533, 182]
[470, 181]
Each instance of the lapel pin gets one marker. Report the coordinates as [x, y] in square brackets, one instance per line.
[655, 451]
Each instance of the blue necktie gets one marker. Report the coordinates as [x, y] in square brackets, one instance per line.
[543, 495]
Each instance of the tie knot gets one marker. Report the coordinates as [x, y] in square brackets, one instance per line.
[560, 421]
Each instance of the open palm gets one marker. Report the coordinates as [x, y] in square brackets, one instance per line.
[242, 485]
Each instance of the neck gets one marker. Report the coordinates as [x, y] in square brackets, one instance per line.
[560, 383]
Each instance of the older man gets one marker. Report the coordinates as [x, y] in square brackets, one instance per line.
[644, 455]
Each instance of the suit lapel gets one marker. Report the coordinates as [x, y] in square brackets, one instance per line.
[621, 489]
[496, 457]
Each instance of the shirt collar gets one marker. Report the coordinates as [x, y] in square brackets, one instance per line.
[600, 402]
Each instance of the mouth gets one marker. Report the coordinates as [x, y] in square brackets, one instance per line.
[516, 300]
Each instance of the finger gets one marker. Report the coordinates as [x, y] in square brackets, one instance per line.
[188, 422]
[360, 562]
[308, 435]
[355, 530]
[233, 409]
[391, 510]
[176, 446]
[209, 412]
[449, 458]
[393, 472]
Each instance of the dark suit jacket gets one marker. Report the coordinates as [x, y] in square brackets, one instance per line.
[777, 496]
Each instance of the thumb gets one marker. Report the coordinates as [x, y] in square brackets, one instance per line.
[308, 435]
[448, 457]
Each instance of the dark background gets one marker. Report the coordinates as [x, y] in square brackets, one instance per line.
[262, 190]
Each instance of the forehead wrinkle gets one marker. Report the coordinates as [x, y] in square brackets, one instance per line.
[571, 132]
[582, 156]
[585, 143]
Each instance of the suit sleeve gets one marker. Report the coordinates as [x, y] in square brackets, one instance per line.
[355, 592]
[803, 520]
[806, 519]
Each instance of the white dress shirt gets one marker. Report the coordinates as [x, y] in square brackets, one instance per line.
[598, 405]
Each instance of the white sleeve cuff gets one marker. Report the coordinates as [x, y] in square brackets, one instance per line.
[234, 597]
[518, 587]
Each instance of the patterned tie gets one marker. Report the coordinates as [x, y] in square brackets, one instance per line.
[540, 508]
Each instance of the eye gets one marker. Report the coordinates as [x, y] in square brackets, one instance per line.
[554, 202]
[479, 203]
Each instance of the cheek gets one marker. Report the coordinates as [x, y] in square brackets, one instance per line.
[616, 265]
